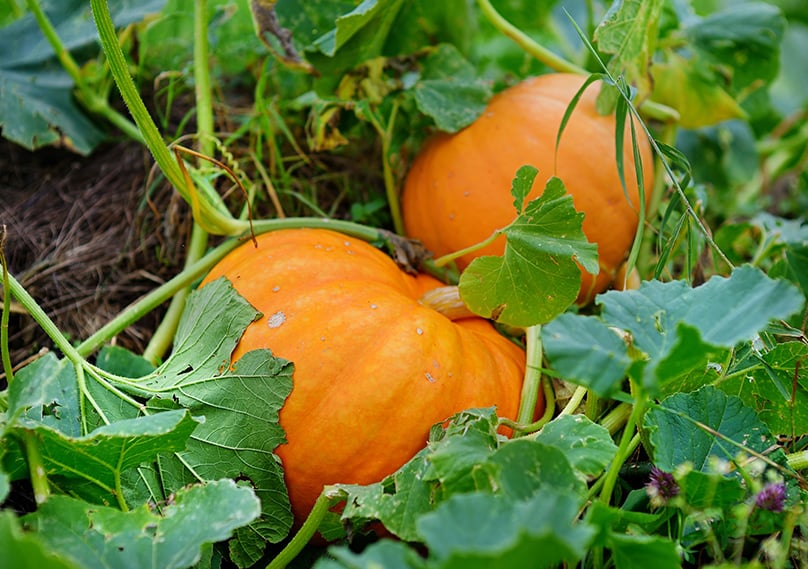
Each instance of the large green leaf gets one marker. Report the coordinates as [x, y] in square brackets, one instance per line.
[537, 278]
[93, 464]
[172, 537]
[744, 38]
[683, 429]
[46, 391]
[240, 404]
[673, 329]
[539, 532]
[449, 90]
[587, 446]
[36, 103]
[24, 550]
[777, 388]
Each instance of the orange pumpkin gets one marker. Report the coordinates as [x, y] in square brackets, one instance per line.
[457, 191]
[374, 368]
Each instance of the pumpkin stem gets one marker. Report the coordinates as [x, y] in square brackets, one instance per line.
[447, 301]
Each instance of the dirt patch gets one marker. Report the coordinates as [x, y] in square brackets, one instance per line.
[86, 237]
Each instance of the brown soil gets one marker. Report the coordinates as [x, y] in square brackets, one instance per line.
[85, 238]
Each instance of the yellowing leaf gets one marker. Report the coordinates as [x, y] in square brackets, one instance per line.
[690, 88]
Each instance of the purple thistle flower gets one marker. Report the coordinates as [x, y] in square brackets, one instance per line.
[772, 497]
[661, 487]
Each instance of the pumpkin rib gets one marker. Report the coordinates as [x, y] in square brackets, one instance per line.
[362, 403]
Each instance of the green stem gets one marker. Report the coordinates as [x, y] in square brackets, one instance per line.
[386, 136]
[448, 258]
[524, 41]
[535, 427]
[649, 108]
[164, 334]
[617, 418]
[599, 483]
[131, 96]
[39, 478]
[304, 534]
[389, 181]
[86, 94]
[532, 379]
[161, 294]
[44, 321]
[221, 221]
[798, 460]
[624, 450]
[575, 401]
[204, 100]
[8, 369]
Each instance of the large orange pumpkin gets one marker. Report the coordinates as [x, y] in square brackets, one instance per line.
[374, 368]
[457, 191]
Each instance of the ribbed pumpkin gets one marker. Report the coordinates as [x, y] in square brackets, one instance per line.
[457, 191]
[374, 368]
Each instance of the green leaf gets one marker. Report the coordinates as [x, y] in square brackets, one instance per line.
[46, 391]
[746, 38]
[794, 267]
[93, 536]
[643, 551]
[628, 31]
[385, 554]
[240, 432]
[426, 22]
[240, 404]
[468, 457]
[537, 278]
[539, 532]
[677, 434]
[768, 388]
[120, 361]
[356, 36]
[674, 329]
[522, 467]
[703, 490]
[37, 107]
[725, 310]
[214, 318]
[440, 470]
[585, 350]
[586, 445]
[92, 464]
[521, 186]
[449, 90]
[24, 550]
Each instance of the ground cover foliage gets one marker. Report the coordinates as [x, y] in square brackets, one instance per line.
[677, 419]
